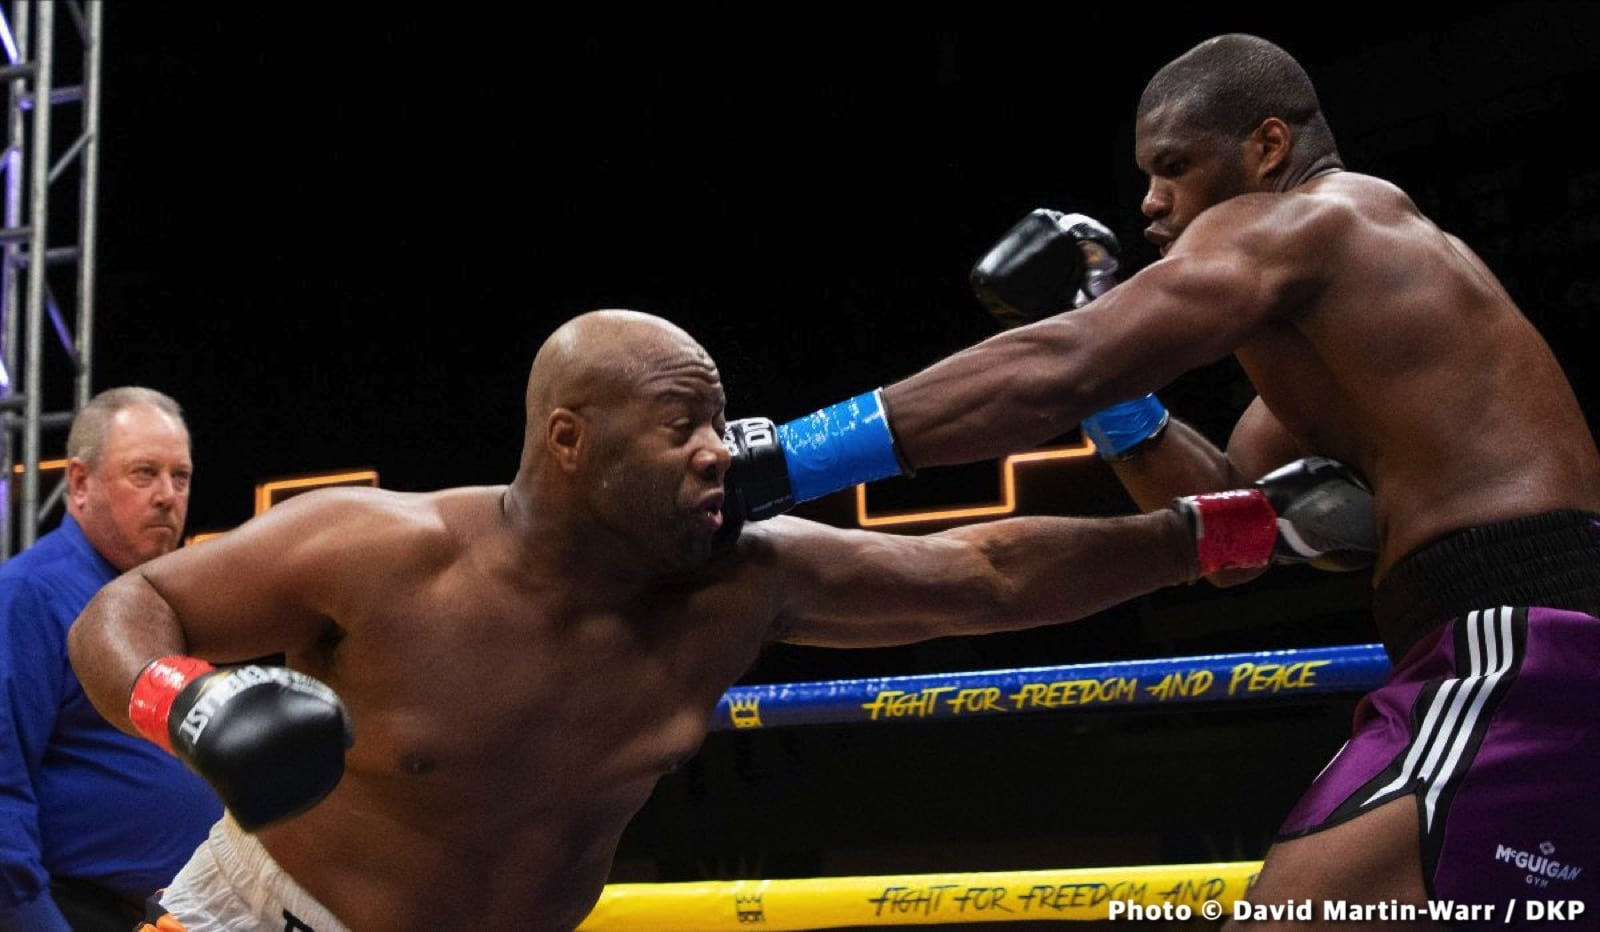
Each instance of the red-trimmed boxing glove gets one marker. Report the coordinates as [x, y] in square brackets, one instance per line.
[268, 739]
[1314, 510]
[1236, 529]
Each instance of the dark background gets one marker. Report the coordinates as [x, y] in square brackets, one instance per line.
[338, 233]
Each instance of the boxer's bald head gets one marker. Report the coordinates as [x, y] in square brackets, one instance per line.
[604, 356]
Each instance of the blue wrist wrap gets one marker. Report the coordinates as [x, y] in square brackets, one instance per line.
[839, 446]
[1123, 426]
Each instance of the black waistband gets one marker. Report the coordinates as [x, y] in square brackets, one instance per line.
[88, 905]
[1550, 560]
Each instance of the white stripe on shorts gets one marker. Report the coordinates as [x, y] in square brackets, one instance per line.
[1453, 713]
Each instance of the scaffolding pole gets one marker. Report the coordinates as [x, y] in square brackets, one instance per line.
[46, 245]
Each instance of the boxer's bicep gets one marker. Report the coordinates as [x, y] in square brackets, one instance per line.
[263, 587]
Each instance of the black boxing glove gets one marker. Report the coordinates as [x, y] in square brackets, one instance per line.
[773, 468]
[757, 485]
[1047, 263]
[268, 739]
[757, 482]
[1052, 262]
[1325, 515]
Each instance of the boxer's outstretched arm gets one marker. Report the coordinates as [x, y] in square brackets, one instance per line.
[852, 588]
[1009, 393]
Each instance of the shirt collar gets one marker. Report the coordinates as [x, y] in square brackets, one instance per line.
[80, 541]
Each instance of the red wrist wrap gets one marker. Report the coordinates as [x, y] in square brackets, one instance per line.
[1233, 530]
[156, 689]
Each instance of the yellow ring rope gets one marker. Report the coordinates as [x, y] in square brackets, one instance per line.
[924, 899]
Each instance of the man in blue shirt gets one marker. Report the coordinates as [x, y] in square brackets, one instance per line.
[92, 821]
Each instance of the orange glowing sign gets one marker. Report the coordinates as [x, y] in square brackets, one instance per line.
[1008, 492]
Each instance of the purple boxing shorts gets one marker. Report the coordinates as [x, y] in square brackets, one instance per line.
[1492, 722]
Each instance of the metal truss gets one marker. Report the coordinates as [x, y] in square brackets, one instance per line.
[47, 244]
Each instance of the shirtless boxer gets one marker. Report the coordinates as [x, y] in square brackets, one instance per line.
[519, 665]
[1371, 336]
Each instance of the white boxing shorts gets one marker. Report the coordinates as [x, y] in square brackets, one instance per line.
[231, 884]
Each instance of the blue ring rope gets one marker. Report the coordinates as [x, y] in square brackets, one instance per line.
[1254, 676]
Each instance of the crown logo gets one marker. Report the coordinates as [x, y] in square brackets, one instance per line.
[749, 909]
[746, 712]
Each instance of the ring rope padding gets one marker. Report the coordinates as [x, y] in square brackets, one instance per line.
[1236, 677]
[916, 900]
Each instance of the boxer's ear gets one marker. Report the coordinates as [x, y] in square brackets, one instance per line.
[564, 435]
[1267, 148]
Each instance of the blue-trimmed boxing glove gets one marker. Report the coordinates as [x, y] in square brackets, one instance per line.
[1119, 430]
[772, 468]
[1051, 262]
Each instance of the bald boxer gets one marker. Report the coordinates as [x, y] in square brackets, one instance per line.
[1374, 337]
[512, 668]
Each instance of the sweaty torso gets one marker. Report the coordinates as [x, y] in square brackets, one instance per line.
[1408, 361]
[504, 736]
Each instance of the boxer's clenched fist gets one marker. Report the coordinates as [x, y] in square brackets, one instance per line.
[1047, 263]
[1314, 510]
[268, 739]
